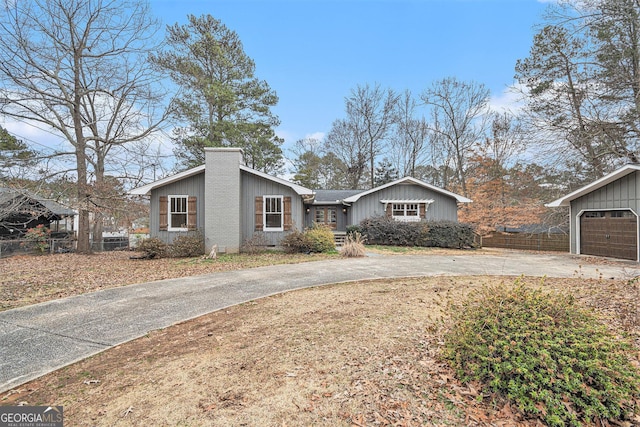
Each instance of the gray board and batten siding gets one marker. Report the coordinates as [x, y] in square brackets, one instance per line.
[444, 207]
[621, 194]
[604, 215]
[227, 198]
[253, 186]
[189, 186]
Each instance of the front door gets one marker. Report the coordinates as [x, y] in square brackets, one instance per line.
[326, 215]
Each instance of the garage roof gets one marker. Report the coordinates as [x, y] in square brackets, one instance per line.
[607, 179]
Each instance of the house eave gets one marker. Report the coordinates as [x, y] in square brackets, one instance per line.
[145, 190]
[425, 201]
[300, 190]
[459, 198]
[605, 180]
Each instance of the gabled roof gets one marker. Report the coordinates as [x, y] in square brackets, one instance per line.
[299, 189]
[146, 189]
[410, 180]
[8, 195]
[607, 179]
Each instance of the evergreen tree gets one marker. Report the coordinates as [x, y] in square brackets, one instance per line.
[14, 153]
[223, 104]
[385, 173]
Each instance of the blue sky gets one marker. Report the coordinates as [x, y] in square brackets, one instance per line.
[312, 52]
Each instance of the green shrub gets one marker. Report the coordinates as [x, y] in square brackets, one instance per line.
[382, 230]
[318, 238]
[187, 245]
[37, 238]
[449, 234]
[353, 229]
[551, 358]
[153, 248]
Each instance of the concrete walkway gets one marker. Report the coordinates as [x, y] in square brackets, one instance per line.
[41, 338]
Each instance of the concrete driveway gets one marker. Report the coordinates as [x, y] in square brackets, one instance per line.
[41, 338]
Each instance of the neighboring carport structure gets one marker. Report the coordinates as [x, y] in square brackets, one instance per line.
[20, 211]
[604, 215]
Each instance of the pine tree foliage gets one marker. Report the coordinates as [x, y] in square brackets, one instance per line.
[221, 101]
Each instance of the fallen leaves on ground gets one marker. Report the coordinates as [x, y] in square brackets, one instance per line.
[357, 354]
[30, 279]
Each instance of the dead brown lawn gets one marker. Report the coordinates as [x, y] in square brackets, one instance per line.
[26, 280]
[342, 355]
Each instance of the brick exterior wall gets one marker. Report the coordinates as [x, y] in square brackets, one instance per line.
[222, 199]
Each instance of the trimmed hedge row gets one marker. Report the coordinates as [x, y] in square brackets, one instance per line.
[442, 234]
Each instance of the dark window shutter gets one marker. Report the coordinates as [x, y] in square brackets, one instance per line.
[423, 210]
[164, 214]
[259, 202]
[288, 223]
[192, 213]
[387, 210]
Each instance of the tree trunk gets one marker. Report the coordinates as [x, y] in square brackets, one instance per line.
[83, 231]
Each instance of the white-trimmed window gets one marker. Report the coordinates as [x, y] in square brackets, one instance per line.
[178, 213]
[273, 217]
[405, 212]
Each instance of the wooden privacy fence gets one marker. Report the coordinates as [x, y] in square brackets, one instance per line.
[527, 241]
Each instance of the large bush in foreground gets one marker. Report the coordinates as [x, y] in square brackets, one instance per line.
[383, 230]
[548, 356]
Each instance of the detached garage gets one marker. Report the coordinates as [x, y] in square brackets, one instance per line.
[604, 215]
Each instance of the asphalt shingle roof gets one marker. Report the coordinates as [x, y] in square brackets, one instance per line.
[333, 196]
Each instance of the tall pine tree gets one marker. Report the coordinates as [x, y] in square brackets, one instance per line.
[223, 103]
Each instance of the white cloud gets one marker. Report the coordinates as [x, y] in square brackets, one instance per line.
[35, 135]
[316, 135]
[509, 100]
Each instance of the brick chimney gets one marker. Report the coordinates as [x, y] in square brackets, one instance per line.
[222, 199]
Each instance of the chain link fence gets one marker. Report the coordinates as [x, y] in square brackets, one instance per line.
[13, 247]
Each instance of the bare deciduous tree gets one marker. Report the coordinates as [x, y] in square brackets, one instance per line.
[351, 150]
[79, 68]
[370, 113]
[410, 141]
[457, 110]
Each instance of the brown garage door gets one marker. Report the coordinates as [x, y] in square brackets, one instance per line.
[609, 234]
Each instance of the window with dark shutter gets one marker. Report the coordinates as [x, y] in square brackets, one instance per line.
[164, 213]
[288, 221]
[259, 225]
[192, 219]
